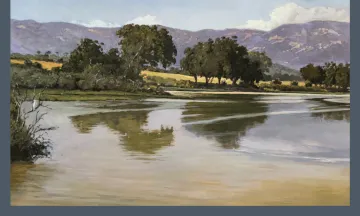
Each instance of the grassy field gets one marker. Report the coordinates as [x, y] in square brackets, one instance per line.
[45, 65]
[201, 80]
[49, 65]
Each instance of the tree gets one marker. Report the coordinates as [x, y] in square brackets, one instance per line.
[113, 62]
[206, 60]
[88, 52]
[168, 50]
[146, 45]
[188, 63]
[320, 76]
[222, 58]
[221, 49]
[342, 76]
[253, 73]
[330, 73]
[238, 63]
[263, 59]
[314, 74]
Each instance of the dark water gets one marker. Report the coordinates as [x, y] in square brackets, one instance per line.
[252, 150]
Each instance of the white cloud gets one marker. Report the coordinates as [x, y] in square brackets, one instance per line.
[291, 13]
[145, 20]
[97, 23]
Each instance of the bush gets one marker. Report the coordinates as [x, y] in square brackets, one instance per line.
[276, 82]
[295, 83]
[28, 63]
[27, 142]
[67, 82]
[37, 65]
[289, 88]
[308, 83]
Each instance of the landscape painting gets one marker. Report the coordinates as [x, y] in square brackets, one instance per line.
[180, 103]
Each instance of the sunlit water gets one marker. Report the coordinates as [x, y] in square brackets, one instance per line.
[252, 150]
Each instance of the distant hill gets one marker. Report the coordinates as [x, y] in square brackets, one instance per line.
[291, 45]
[281, 69]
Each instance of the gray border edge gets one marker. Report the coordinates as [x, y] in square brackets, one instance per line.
[5, 149]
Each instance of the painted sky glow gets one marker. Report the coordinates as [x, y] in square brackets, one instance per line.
[183, 14]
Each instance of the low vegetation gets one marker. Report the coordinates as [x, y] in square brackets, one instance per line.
[28, 141]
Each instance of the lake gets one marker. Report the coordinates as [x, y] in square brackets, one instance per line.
[239, 150]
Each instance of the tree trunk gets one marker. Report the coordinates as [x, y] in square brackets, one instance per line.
[234, 81]
[206, 81]
[211, 79]
[219, 80]
[195, 78]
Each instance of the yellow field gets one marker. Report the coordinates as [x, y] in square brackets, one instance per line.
[178, 76]
[46, 65]
[49, 65]
[201, 80]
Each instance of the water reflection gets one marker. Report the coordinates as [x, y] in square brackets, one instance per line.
[130, 125]
[88, 167]
[333, 116]
[229, 132]
[26, 178]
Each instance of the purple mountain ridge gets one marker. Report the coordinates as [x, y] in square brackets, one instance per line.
[291, 45]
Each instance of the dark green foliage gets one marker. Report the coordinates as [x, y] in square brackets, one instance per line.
[224, 58]
[290, 88]
[295, 83]
[88, 52]
[28, 63]
[342, 76]
[148, 44]
[276, 82]
[47, 56]
[308, 83]
[330, 74]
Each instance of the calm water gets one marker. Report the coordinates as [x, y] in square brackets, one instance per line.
[252, 150]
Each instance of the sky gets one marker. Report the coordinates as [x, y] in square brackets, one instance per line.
[183, 14]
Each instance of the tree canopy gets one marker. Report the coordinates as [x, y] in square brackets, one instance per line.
[225, 58]
[329, 74]
[147, 44]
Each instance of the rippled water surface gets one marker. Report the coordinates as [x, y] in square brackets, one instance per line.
[250, 150]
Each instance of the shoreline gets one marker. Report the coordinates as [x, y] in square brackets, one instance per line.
[258, 93]
[111, 95]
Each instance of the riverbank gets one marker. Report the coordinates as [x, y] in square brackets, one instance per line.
[78, 95]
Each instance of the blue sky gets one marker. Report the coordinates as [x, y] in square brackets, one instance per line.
[184, 14]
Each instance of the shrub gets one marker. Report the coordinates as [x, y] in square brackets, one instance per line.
[27, 142]
[295, 83]
[285, 88]
[28, 63]
[67, 82]
[37, 65]
[276, 82]
[308, 83]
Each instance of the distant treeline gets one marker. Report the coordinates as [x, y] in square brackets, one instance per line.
[330, 75]
[47, 56]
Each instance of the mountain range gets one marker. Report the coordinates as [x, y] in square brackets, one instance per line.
[291, 45]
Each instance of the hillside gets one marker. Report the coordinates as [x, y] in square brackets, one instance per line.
[291, 45]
